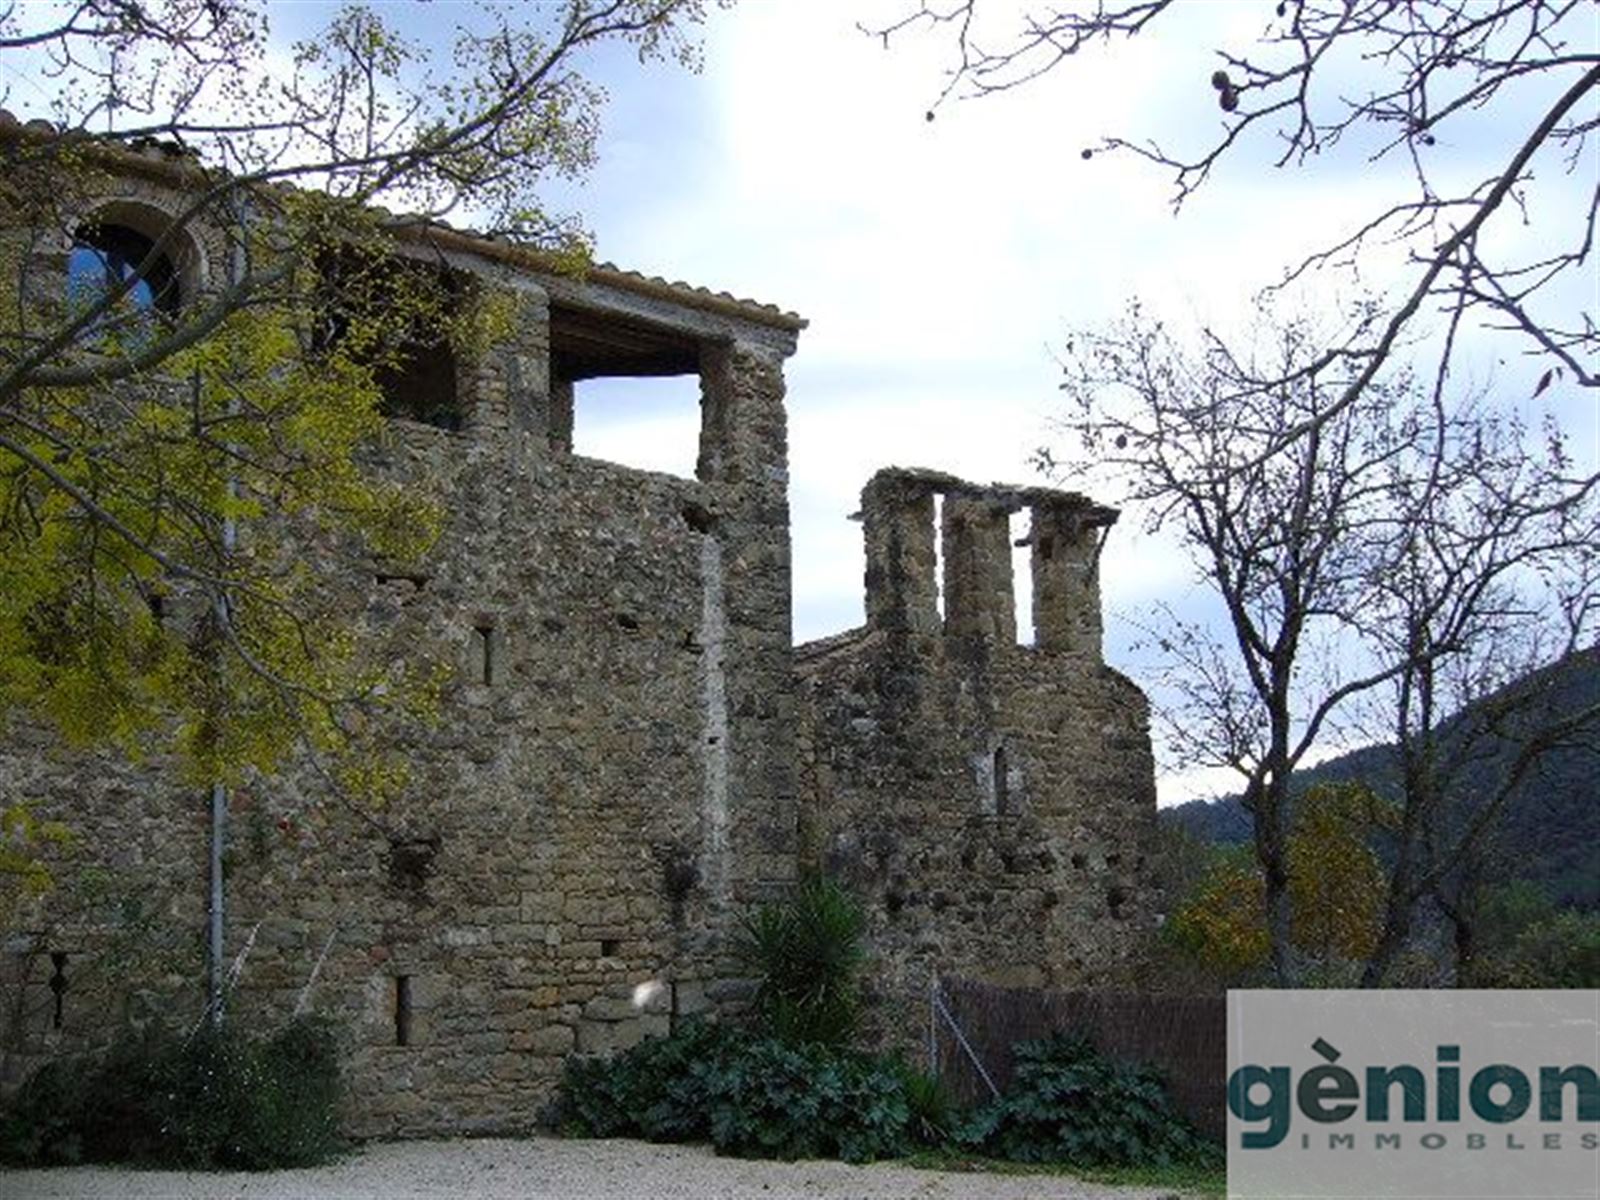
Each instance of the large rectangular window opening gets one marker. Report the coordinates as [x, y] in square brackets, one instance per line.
[652, 424]
[635, 390]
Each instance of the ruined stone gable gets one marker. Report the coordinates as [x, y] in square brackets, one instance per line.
[629, 752]
[991, 800]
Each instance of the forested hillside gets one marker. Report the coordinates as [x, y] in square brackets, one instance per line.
[1549, 833]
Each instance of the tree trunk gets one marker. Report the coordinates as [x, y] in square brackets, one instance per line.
[1396, 931]
[1466, 940]
[1271, 843]
[1279, 927]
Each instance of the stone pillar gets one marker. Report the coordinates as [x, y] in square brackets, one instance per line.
[744, 460]
[512, 389]
[558, 427]
[518, 398]
[897, 520]
[1066, 576]
[978, 596]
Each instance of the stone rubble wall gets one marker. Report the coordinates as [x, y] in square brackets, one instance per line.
[991, 803]
[629, 754]
[609, 782]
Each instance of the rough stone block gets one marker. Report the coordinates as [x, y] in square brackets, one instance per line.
[554, 1039]
[690, 997]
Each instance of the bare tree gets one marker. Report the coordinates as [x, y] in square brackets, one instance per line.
[1433, 76]
[1392, 547]
[1484, 590]
[1271, 532]
[1473, 551]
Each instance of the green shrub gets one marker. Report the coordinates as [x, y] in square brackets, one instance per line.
[1069, 1104]
[775, 1099]
[748, 1094]
[43, 1123]
[1560, 951]
[806, 951]
[216, 1099]
[756, 1095]
[292, 1115]
[656, 1090]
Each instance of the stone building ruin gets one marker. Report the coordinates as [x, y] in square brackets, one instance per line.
[991, 800]
[631, 751]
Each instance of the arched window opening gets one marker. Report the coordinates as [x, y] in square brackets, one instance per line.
[104, 257]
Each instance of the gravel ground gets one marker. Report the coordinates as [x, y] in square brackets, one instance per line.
[548, 1167]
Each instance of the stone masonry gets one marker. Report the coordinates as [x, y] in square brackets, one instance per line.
[991, 802]
[629, 753]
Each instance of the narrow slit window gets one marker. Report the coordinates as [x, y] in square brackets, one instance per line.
[402, 1010]
[58, 985]
[1002, 796]
[483, 654]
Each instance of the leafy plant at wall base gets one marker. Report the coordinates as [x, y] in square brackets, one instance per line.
[1069, 1104]
[750, 1095]
[780, 1100]
[654, 1090]
[759, 1096]
[932, 1111]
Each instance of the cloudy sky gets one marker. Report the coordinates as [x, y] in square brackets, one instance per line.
[939, 262]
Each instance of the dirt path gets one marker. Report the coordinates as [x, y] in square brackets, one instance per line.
[541, 1168]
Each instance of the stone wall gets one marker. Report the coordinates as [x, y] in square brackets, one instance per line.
[609, 781]
[628, 753]
[991, 802]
